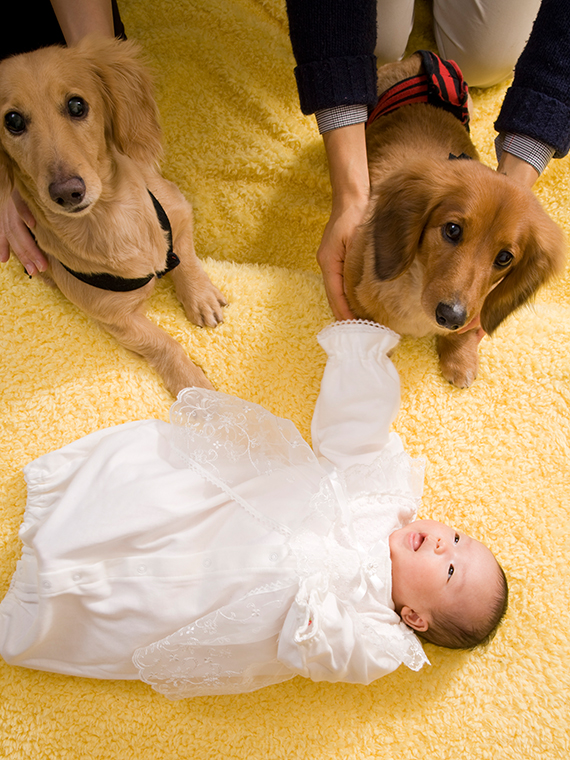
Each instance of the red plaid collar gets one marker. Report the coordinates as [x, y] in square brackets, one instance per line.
[441, 84]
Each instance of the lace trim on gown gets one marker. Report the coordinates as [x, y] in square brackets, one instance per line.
[218, 430]
[230, 442]
[230, 651]
[358, 326]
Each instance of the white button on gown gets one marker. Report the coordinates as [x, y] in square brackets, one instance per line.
[218, 553]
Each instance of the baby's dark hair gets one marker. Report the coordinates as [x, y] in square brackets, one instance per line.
[447, 631]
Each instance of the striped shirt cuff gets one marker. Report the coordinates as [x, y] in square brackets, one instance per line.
[534, 152]
[340, 116]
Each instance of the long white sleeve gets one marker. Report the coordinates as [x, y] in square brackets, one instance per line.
[359, 396]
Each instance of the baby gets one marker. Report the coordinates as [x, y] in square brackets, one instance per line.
[446, 585]
[219, 553]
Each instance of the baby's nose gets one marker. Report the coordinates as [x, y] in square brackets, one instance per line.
[439, 545]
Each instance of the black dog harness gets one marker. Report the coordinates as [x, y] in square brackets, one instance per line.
[441, 84]
[106, 281]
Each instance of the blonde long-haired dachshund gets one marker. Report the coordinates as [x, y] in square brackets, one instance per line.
[80, 140]
[449, 247]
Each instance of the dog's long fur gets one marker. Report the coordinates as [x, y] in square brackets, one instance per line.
[405, 269]
[109, 158]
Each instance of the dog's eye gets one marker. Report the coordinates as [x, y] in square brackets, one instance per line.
[452, 232]
[503, 259]
[77, 107]
[15, 122]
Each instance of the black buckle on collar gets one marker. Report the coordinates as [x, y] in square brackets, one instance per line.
[172, 261]
[105, 281]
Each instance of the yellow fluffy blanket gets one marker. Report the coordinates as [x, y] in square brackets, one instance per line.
[498, 454]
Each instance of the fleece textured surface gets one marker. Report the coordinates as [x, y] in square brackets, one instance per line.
[498, 454]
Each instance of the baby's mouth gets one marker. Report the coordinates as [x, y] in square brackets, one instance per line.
[417, 540]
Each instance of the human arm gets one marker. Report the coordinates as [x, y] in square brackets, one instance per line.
[339, 629]
[77, 19]
[522, 158]
[359, 396]
[537, 105]
[348, 170]
[333, 43]
[519, 170]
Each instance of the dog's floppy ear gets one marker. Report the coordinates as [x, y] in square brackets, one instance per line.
[132, 122]
[544, 257]
[403, 204]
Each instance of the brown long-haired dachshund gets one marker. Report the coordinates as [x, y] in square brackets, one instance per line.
[448, 247]
[80, 140]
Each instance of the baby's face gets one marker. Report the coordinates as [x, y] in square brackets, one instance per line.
[435, 566]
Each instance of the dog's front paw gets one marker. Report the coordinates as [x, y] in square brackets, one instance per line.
[458, 358]
[459, 376]
[205, 308]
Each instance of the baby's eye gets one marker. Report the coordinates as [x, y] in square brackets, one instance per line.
[450, 572]
[456, 539]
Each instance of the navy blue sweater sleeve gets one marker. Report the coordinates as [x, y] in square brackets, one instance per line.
[333, 43]
[538, 102]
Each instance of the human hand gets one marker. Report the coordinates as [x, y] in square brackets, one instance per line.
[517, 169]
[16, 220]
[331, 254]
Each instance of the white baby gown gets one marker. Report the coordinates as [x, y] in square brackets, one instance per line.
[218, 553]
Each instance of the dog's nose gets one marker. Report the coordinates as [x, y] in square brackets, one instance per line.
[68, 192]
[452, 316]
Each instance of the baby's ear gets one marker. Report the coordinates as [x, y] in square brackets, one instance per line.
[414, 620]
